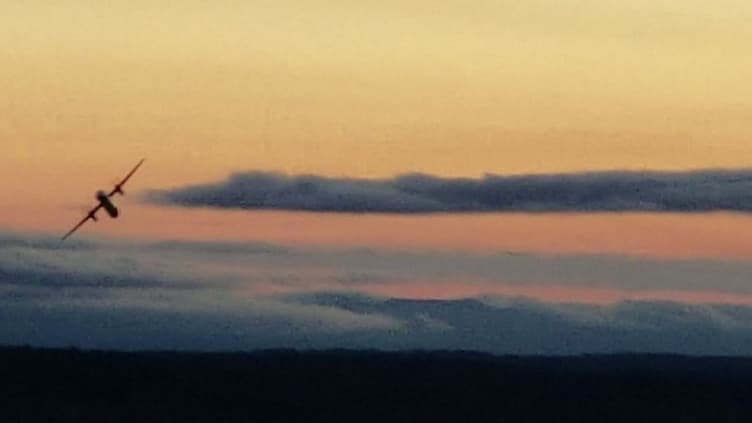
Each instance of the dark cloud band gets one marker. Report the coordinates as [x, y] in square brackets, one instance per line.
[227, 296]
[696, 191]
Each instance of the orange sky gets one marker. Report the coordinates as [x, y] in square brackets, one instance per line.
[373, 88]
[712, 236]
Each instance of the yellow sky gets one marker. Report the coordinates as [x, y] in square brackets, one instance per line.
[367, 88]
[375, 87]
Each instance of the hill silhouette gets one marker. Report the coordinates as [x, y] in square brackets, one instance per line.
[367, 386]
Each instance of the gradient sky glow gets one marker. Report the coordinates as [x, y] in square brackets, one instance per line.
[374, 89]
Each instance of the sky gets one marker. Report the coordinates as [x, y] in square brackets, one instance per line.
[585, 161]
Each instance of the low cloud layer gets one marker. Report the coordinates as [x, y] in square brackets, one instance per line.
[220, 296]
[496, 325]
[697, 191]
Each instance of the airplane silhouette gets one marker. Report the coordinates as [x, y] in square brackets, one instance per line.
[105, 202]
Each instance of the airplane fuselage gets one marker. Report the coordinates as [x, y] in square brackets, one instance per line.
[104, 200]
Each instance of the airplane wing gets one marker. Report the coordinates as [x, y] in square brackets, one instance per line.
[90, 215]
[119, 187]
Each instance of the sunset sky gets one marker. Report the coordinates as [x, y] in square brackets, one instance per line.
[367, 91]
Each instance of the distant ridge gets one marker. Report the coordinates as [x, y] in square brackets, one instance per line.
[367, 386]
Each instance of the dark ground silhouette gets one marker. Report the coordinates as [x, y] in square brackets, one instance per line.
[368, 386]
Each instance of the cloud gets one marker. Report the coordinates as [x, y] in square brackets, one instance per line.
[694, 191]
[215, 296]
[519, 326]
[259, 268]
[516, 327]
[174, 278]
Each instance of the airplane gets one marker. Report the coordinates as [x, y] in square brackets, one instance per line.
[105, 202]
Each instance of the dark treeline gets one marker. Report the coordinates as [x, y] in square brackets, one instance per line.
[367, 386]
